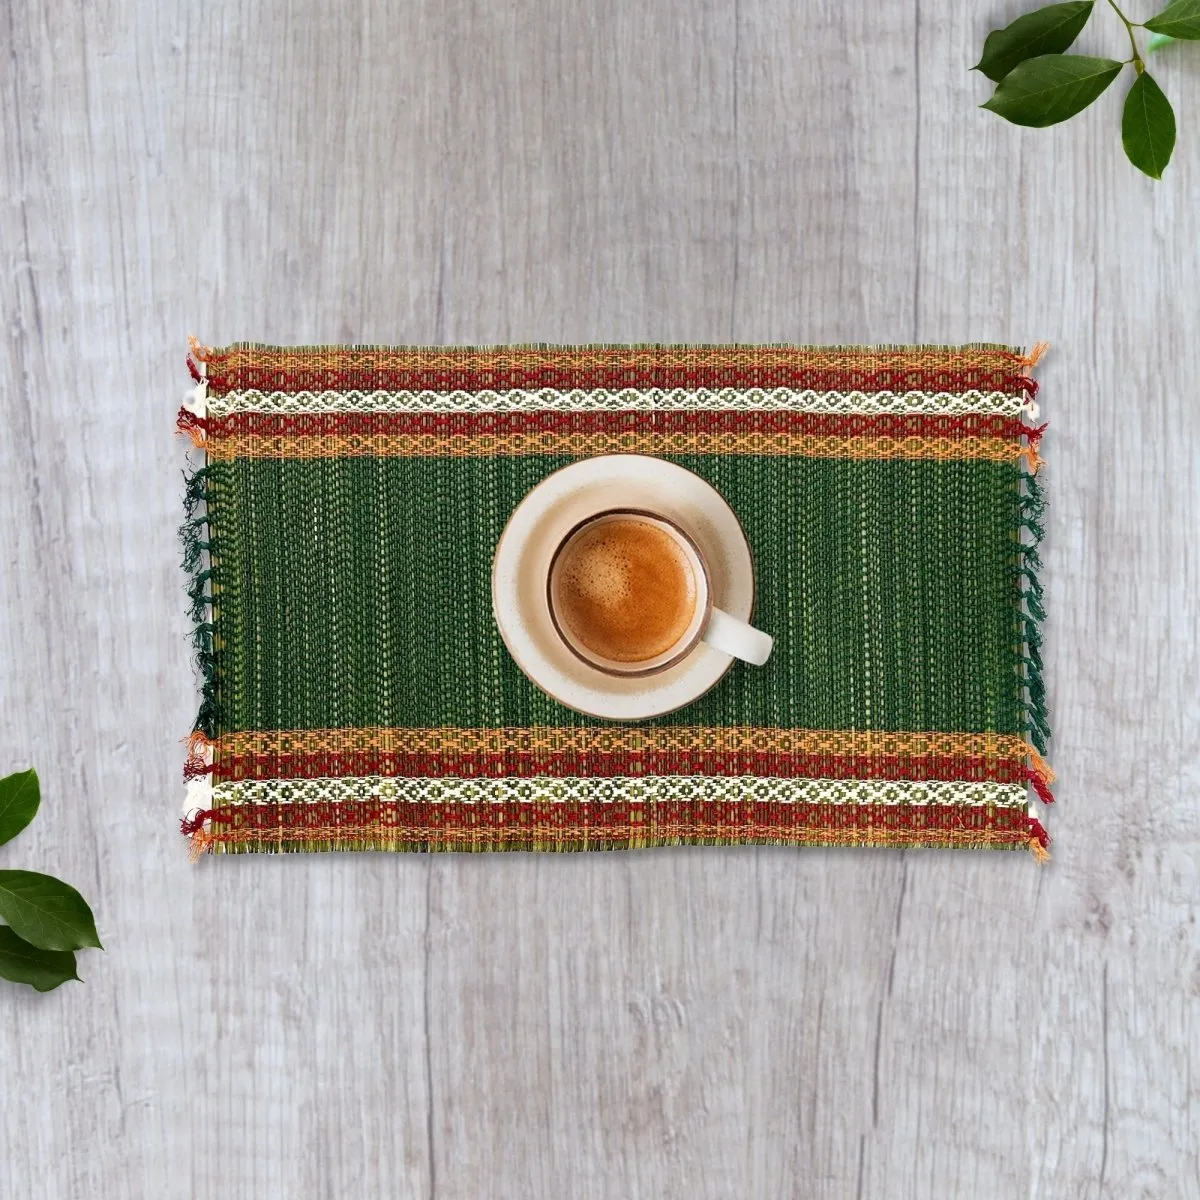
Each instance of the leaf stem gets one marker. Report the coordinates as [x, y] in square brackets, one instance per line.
[1138, 65]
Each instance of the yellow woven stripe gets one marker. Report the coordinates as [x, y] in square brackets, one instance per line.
[547, 836]
[618, 740]
[429, 445]
[584, 358]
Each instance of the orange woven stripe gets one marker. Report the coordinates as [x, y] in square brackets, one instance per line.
[245, 445]
[614, 740]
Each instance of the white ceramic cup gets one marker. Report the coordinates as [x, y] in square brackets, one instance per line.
[708, 623]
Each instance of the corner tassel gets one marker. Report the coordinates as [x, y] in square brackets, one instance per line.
[1032, 459]
[202, 842]
[1041, 766]
[196, 427]
[1039, 785]
[200, 817]
[1039, 840]
[1035, 356]
[190, 826]
[199, 744]
[196, 768]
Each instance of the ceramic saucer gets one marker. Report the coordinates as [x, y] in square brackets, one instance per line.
[541, 521]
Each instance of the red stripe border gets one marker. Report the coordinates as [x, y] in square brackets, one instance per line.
[609, 824]
[561, 368]
[565, 764]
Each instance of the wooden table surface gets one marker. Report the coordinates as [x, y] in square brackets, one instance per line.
[684, 1023]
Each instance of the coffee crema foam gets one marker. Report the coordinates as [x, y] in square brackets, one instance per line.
[625, 589]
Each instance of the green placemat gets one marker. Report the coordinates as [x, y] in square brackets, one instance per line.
[357, 694]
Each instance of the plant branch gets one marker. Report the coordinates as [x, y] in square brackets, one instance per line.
[1138, 65]
[1039, 84]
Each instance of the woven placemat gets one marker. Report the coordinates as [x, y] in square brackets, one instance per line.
[357, 694]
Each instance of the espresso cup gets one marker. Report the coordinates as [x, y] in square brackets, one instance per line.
[630, 594]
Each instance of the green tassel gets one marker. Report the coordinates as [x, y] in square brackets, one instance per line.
[1032, 613]
[191, 536]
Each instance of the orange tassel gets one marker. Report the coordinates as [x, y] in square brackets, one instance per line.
[200, 352]
[198, 744]
[1035, 356]
[1044, 770]
[1039, 851]
[1033, 460]
[202, 842]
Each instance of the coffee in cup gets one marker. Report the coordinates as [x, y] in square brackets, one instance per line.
[629, 593]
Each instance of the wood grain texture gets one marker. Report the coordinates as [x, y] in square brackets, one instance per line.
[678, 1023]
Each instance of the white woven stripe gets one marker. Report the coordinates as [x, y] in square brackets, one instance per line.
[598, 790]
[602, 400]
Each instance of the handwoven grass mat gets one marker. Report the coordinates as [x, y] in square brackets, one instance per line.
[356, 692]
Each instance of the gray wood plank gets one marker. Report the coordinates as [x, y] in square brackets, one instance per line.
[692, 1023]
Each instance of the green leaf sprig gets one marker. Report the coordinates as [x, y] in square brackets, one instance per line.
[44, 920]
[1039, 84]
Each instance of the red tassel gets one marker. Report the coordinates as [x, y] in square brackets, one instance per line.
[1041, 787]
[196, 768]
[193, 824]
[195, 370]
[195, 427]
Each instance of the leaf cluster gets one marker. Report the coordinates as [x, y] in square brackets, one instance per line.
[1038, 83]
[44, 920]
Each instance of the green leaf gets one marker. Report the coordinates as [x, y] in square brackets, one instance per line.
[42, 969]
[1158, 41]
[46, 912]
[1049, 30]
[1180, 19]
[1043, 91]
[1148, 127]
[20, 796]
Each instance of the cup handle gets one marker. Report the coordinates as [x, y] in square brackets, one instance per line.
[731, 636]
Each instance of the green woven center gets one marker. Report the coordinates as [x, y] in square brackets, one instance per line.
[364, 594]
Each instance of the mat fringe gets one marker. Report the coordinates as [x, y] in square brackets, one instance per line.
[194, 426]
[1039, 840]
[1035, 356]
[195, 549]
[1032, 613]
